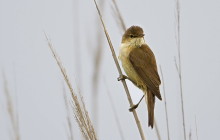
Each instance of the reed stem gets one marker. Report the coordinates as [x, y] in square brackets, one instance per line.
[120, 73]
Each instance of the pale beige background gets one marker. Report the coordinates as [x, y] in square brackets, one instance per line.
[73, 27]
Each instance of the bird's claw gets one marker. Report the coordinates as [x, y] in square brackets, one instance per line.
[122, 77]
[133, 107]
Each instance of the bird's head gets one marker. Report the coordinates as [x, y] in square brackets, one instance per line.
[133, 35]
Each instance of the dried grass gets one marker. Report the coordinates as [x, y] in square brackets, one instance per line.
[179, 66]
[78, 106]
[68, 116]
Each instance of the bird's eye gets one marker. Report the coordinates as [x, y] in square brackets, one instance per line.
[131, 36]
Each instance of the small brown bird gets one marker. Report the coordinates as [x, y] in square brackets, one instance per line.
[139, 64]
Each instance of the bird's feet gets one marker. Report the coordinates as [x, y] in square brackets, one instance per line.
[122, 77]
[133, 107]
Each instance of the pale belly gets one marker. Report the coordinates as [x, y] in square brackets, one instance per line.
[128, 68]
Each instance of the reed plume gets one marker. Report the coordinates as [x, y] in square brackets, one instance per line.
[78, 106]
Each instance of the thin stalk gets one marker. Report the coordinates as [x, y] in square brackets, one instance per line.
[70, 127]
[120, 73]
[182, 103]
[179, 59]
[165, 104]
[78, 106]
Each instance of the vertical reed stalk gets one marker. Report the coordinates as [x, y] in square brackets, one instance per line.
[165, 103]
[120, 73]
[177, 12]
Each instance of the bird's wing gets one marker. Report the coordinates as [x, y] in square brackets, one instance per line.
[144, 63]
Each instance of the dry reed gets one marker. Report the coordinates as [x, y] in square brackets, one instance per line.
[120, 73]
[179, 66]
[78, 106]
[68, 117]
[165, 105]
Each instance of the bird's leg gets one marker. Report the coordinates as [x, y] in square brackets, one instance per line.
[123, 77]
[136, 105]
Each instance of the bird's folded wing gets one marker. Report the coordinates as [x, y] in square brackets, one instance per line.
[144, 63]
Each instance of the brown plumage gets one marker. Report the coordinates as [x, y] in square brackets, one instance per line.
[140, 66]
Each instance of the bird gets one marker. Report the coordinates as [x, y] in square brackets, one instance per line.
[139, 64]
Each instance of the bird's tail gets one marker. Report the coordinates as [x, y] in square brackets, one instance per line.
[150, 100]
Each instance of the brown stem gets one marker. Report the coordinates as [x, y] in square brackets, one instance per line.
[120, 73]
[179, 71]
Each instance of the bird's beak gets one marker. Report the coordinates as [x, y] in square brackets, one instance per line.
[142, 35]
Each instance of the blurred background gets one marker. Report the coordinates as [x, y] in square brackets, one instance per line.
[32, 104]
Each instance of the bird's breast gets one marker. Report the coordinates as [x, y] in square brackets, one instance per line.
[127, 65]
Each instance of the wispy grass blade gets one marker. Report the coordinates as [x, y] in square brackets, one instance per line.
[78, 105]
[70, 127]
[179, 66]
